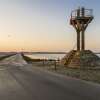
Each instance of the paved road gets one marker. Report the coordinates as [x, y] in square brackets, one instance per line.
[26, 82]
[14, 60]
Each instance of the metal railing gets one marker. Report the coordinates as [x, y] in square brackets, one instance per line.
[87, 13]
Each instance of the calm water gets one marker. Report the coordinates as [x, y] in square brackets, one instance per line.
[98, 55]
[48, 56]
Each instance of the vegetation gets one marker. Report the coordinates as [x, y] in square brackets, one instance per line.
[30, 60]
[6, 56]
[84, 74]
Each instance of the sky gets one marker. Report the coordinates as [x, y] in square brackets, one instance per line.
[43, 25]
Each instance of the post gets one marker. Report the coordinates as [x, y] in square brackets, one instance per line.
[55, 64]
[78, 41]
[83, 31]
[83, 11]
[78, 32]
[82, 40]
[78, 12]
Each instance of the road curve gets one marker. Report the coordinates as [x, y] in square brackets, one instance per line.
[16, 60]
[30, 83]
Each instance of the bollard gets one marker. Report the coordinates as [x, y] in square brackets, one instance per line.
[43, 62]
[55, 65]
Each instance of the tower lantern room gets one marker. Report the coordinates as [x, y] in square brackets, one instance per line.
[80, 19]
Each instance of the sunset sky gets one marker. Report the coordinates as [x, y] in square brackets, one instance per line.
[43, 25]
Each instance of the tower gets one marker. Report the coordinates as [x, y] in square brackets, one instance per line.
[80, 19]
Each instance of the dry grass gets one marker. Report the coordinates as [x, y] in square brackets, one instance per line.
[84, 74]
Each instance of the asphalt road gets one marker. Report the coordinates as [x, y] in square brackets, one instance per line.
[25, 82]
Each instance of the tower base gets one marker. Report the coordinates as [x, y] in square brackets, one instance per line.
[81, 59]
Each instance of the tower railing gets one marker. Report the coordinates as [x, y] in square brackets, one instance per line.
[88, 13]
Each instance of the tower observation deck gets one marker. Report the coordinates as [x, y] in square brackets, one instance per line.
[81, 58]
[80, 19]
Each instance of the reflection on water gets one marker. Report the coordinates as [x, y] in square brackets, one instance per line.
[48, 56]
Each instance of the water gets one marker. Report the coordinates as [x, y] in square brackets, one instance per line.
[98, 55]
[48, 56]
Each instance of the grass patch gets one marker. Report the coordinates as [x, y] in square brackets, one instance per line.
[84, 74]
[6, 56]
[87, 74]
[30, 60]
